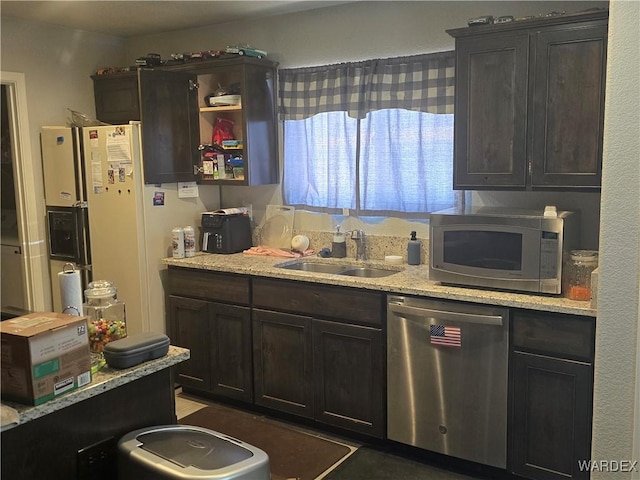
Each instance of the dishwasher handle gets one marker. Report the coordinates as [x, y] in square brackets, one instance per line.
[447, 315]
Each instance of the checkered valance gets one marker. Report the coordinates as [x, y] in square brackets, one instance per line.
[422, 83]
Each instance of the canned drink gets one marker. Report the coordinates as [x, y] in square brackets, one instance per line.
[177, 242]
[189, 241]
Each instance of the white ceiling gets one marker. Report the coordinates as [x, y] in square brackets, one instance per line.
[127, 18]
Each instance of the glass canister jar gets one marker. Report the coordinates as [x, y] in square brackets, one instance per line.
[107, 318]
[581, 264]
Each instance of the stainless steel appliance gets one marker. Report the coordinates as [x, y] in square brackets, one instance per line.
[447, 377]
[509, 249]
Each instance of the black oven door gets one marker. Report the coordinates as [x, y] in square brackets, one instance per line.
[68, 234]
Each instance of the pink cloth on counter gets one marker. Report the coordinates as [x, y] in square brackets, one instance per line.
[276, 252]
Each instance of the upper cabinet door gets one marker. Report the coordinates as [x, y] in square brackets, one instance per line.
[169, 114]
[530, 103]
[568, 107]
[491, 111]
[116, 97]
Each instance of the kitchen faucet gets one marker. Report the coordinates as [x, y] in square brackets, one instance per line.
[359, 237]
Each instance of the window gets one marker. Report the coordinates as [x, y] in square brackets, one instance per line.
[375, 137]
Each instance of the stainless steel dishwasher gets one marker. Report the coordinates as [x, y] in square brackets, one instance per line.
[447, 377]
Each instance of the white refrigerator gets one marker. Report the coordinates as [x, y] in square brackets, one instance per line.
[103, 218]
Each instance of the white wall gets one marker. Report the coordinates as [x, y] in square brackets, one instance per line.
[353, 32]
[379, 29]
[617, 347]
[56, 63]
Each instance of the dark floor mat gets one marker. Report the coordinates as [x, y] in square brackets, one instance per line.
[372, 464]
[292, 453]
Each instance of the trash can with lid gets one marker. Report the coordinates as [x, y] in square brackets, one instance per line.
[188, 452]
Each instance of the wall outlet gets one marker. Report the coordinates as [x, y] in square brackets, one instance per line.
[98, 461]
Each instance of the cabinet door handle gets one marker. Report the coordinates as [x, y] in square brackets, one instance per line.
[193, 85]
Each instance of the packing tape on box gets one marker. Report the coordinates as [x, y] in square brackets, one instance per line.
[70, 290]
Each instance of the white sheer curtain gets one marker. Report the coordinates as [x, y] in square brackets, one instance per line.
[373, 136]
[406, 162]
[319, 161]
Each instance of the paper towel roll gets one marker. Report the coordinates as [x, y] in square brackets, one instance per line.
[70, 291]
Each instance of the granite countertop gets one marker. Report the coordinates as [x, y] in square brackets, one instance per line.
[105, 379]
[410, 280]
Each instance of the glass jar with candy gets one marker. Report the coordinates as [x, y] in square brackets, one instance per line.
[106, 314]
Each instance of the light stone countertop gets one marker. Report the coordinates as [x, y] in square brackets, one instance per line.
[105, 379]
[411, 280]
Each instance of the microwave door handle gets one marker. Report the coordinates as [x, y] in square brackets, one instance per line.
[447, 315]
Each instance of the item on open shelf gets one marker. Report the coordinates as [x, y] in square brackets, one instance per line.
[232, 144]
[222, 130]
[223, 100]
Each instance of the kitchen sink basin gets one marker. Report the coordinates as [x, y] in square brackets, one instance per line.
[368, 272]
[314, 267]
[335, 269]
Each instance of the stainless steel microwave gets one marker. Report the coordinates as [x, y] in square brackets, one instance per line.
[507, 249]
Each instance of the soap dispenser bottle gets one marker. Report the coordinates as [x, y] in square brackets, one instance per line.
[339, 244]
[413, 250]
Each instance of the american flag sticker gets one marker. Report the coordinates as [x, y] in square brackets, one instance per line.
[443, 335]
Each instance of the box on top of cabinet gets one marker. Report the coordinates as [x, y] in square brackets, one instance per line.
[44, 355]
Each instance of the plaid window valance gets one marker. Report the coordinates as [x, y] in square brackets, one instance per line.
[422, 83]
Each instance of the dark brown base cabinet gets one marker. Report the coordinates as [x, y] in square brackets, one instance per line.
[309, 350]
[318, 352]
[218, 334]
[189, 328]
[552, 388]
[283, 362]
[331, 371]
[348, 362]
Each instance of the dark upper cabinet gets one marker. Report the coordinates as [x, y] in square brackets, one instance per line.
[568, 106]
[530, 103]
[116, 97]
[490, 113]
[169, 125]
[176, 120]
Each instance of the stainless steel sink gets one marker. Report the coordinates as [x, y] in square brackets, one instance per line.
[335, 269]
[315, 267]
[368, 272]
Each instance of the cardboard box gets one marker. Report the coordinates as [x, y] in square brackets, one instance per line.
[43, 355]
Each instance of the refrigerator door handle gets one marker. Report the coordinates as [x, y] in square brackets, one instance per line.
[80, 212]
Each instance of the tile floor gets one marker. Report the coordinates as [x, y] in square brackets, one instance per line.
[187, 404]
